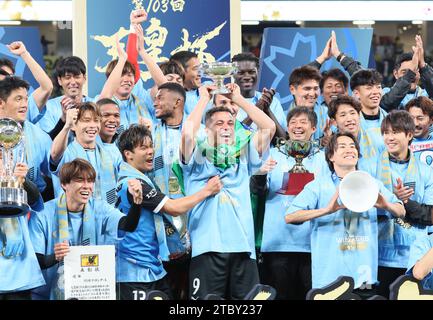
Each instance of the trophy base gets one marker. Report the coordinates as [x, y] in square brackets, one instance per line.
[13, 202]
[294, 183]
[222, 90]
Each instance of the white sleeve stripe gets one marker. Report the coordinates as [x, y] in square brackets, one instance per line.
[161, 204]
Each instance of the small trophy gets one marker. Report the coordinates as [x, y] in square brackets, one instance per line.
[295, 180]
[218, 71]
[13, 198]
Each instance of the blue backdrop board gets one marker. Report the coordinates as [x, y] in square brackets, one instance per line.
[284, 49]
[201, 26]
[31, 39]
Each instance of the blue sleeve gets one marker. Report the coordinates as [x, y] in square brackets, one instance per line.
[33, 113]
[427, 172]
[45, 142]
[37, 232]
[418, 249]
[308, 199]
[255, 161]
[277, 110]
[110, 223]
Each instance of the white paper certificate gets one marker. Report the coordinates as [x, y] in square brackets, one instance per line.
[90, 273]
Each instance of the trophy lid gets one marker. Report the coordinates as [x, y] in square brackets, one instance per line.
[11, 133]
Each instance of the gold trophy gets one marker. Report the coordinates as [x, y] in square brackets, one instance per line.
[13, 198]
[218, 71]
[295, 180]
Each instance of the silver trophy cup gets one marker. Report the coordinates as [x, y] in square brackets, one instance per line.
[13, 198]
[218, 71]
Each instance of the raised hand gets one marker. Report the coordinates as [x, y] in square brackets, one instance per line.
[138, 16]
[205, 91]
[20, 172]
[326, 53]
[140, 38]
[145, 122]
[335, 51]
[267, 167]
[235, 91]
[333, 204]
[136, 190]
[71, 117]
[120, 51]
[17, 48]
[265, 100]
[327, 134]
[401, 192]
[420, 46]
[66, 103]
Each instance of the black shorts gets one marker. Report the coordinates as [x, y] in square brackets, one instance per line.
[139, 290]
[227, 275]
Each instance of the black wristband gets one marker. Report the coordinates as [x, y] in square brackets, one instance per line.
[340, 56]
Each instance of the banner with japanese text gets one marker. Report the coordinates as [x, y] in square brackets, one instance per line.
[201, 26]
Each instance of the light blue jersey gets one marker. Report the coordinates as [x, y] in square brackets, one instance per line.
[139, 251]
[53, 113]
[105, 165]
[44, 229]
[22, 272]
[37, 150]
[277, 235]
[396, 235]
[343, 243]
[275, 107]
[222, 223]
[423, 149]
[33, 113]
[191, 101]
[372, 127]
[419, 248]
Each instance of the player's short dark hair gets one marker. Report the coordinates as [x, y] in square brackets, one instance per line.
[424, 103]
[172, 67]
[246, 56]
[214, 110]
[398, 121]
[406, 56]
[132, 138]
[11, 83]
[333, 144]
[128, 67]
[302, 74]
[174, 87]
[73, 65]
[342, 99]
[309, 112]
[78, 168]
[183, 57]
[105, 101]
[336, 74]
[88, 107]
[7, 63]
[365, 77]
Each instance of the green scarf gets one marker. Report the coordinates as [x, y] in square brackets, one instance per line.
[222, 156]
